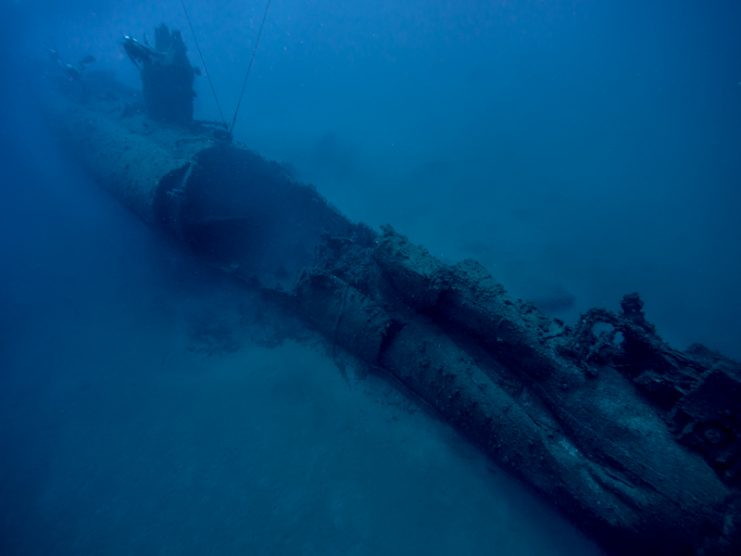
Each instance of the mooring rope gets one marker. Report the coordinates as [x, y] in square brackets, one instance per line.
[249, 66]
[203, 61]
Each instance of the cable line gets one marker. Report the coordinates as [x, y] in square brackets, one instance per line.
[249, 66]
[203, 61]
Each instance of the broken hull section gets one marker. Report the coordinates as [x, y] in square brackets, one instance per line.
[573, 427]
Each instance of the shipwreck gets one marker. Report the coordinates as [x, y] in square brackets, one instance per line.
[633, 440]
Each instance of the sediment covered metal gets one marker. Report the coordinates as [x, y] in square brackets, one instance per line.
[570, 422]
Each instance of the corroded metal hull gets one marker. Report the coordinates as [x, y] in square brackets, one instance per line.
[568, 411]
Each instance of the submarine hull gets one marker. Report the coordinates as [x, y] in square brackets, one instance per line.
[575, 425]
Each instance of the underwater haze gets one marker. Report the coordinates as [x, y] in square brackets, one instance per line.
[580, 150]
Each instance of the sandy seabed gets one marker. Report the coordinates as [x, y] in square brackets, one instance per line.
[149, 406]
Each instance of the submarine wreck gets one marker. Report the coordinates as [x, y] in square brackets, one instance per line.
[636, 442]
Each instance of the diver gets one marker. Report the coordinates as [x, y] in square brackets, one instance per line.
[73, 72]
[139, 53]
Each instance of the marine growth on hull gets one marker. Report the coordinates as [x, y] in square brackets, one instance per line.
[635, 441]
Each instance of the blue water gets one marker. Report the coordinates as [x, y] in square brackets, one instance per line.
[147, 406]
